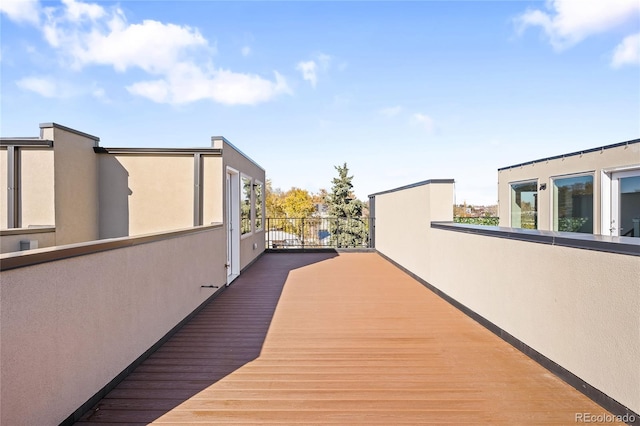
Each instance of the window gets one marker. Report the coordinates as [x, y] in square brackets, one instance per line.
[245, 206]
[524, 205]
[258, 208]
[573, 204]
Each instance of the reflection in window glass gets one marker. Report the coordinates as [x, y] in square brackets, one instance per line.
[245, 206]
[573, 204]
[630, 206]
[258, 194]
[524, 205]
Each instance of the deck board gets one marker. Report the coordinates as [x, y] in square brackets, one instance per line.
[336, 339]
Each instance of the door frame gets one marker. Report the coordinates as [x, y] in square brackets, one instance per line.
[611, 198]
[232, 221]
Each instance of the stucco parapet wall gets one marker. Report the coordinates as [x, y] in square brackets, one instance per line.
[158, 151]
[571, 154]
[620, 245]
[68, 129]
[413, 185]
[222, 140]
[33, 257]
[25, 231]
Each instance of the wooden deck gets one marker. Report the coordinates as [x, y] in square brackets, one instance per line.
[337, 339]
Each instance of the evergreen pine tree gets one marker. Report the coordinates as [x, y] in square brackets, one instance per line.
[348, 228]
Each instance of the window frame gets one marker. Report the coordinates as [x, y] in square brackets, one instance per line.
[511, 201]
[257, 183]
[242, 199]
[554, 203]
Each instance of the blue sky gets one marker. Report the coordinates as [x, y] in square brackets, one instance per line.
[400, 91]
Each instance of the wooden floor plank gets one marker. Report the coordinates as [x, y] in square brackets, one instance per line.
[337, 339]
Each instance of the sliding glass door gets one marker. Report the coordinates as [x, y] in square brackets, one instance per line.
[625, 204]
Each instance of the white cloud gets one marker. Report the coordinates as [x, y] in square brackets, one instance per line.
[50, 87]
[423, 120]
[152, 46]
[324, 60]
[43, 86]
[176, 58]
[308, 70]
[246, 51]
[190, 84]
[54, 87]
[391, 111]
[627, 52]
[27, 11]
[311, 68]
[100, 94]
[567, 22]
[78, 11]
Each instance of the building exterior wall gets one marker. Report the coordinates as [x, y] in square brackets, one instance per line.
[75, 183]
[543, 171]
[37, 187]
[69, 326]
[580, 308]
[3, 189]
[213, 191]
[11, 242]
[402, 233]
[252, 243]
[144, 193]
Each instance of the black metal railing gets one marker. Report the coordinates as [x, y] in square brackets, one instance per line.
[317, 232]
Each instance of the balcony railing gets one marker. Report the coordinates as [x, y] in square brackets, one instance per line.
[317, 232]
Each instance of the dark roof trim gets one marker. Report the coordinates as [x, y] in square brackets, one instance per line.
[21, 259]
[222, 138]
[68, 129]
[26, 142]
[620, 245]
[413, 185]
[163, 151]
[571, 154]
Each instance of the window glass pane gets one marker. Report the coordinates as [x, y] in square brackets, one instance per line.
[630, 206]
[573, 204]
[524, 205]
[258, 193]
[245, 206]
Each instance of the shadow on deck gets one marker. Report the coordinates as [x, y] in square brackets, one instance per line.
[337, 339]
[227, 334]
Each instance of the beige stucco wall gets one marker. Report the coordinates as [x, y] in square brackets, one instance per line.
[591, 162]
[212, 192]
[9, 243]
[252, 244]
[37, 187]
[580, 308]
[402, 233]
[145, 193]
[68, 327]
[75, 184]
